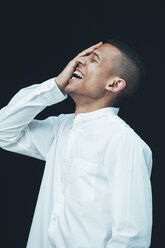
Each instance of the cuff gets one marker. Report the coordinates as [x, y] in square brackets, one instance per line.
[51, 92]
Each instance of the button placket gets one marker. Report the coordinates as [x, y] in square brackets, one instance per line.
[56, 212]
[59, 207]
[66, 167]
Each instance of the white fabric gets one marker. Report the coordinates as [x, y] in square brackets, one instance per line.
[96, 190]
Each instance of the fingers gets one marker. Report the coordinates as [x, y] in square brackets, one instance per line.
[89, 50]
[85, 52]
[97, 45]
[67, 72]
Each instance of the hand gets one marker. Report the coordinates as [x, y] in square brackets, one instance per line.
[63, 78]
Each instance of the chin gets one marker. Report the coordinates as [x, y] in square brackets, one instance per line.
[69, 90]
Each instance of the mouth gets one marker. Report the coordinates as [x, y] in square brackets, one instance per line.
[76, 76]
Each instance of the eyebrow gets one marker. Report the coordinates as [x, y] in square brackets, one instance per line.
[97, 56]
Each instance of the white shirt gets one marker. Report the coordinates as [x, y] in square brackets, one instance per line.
[96, 190]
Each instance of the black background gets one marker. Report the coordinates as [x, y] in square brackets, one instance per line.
[37, 40]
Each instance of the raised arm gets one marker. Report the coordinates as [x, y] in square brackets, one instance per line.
[19, 131]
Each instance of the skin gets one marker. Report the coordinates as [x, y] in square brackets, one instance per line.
[100, 85]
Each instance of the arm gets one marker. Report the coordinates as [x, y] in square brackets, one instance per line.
[131, 202]
[19, 132]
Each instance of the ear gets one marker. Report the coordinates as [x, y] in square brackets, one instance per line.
[116, 84]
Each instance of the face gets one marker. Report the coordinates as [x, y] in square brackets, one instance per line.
[96, 71]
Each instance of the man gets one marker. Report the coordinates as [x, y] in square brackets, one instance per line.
[96, 189]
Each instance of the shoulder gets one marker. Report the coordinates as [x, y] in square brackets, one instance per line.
[61, 121]
[127, 145]
[60, 117]
[51, 122]
[124, 134]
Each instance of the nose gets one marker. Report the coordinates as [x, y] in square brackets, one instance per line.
[82, 60]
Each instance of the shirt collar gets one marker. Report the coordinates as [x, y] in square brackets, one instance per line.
[97, 113]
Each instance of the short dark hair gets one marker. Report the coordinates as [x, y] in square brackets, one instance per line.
[130, 67]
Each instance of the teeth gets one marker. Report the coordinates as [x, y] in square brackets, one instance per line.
[79, 74]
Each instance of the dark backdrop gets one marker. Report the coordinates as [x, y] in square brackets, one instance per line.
[37, 41]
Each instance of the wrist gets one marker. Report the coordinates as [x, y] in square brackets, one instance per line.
[56, 80]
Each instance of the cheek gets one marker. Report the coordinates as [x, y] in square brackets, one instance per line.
[93, 73]
[94, 86]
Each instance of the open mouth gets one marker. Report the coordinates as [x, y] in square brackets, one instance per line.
[76, 76]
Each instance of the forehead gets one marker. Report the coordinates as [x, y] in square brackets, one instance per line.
[108, 52]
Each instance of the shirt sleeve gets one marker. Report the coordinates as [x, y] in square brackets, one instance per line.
[131, 202]
[19, 131]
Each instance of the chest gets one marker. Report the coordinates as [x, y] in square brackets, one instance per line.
[84, 142]
[83, 171]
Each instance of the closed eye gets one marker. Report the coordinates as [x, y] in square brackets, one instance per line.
[93, 60]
